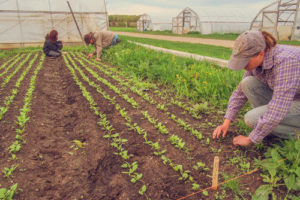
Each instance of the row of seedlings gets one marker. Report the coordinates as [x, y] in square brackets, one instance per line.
[21, 120]
[9, 99]
[146, 97]
[116, 140]
[23, 117]
[8, 61]
[17, 69]
[184, 174]
[175, 140]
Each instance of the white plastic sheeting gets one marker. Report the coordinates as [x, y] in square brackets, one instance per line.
[187, 20]
[223, 20]
[161, 26]
[28, 21]
[278, 19]
[144, 23]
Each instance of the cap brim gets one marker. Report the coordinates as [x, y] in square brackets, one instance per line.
[237, 63]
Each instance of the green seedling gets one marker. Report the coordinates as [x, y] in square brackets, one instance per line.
[200, 166]
[143, 190]
[7, 172]
[8, 194]
[78, 144]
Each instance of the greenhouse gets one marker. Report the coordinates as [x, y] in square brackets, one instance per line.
[144, 23]
[281, 18]
[26, 22]
[207, 21]
[187, 20]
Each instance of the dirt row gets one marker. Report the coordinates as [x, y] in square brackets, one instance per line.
[51, 166]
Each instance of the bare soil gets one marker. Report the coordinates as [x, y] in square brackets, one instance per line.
[51, 167]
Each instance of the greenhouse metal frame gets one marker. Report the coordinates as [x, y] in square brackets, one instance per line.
[26, 22]
[187, 20]
[280, 18]
[144, 23]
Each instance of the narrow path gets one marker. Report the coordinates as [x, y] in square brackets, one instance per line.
[215, 42]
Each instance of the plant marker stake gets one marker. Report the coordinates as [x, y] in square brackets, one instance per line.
[215, 173]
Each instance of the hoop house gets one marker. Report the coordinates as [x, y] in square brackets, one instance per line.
[144, 23]
[187, 20]
[224, 20]
[280, 18]
[26, 22]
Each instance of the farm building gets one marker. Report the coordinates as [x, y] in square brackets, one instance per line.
[26, 22]
[187, 20]
[144, 23]
[207, 20]
[281, 18]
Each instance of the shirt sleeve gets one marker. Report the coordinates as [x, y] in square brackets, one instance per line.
[236, 102]
[286, 84]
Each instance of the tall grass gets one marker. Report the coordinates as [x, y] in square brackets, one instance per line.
[200, 81]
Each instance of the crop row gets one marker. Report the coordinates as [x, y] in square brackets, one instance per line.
[133, 126]
[116, 140]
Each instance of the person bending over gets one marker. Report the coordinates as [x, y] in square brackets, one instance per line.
[100, 40]
[271, 84]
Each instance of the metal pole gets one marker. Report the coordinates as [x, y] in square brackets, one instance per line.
[51, 15]
[76, 23]
[20, 23]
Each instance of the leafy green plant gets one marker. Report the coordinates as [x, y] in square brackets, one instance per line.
[281, 166]
[8, 194]
[200, 166]
[7, 172]
[234, 186]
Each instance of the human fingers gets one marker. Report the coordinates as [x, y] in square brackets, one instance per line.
[217, 132]
[235, 141]
[224, 132]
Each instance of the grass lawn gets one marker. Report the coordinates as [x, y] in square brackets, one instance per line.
[201, 49]
[226, 36]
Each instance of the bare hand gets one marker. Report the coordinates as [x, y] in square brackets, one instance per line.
[90, 55]
[220, 129]
[241, 140]
[63, 53]
[98, 59]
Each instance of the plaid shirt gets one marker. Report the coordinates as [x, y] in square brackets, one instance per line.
[281, 72]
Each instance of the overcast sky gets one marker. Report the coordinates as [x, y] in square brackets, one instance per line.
[164, 10]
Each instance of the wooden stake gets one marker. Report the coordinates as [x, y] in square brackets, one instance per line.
[215, 173]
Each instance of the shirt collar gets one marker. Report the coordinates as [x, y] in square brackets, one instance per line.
[269, 58]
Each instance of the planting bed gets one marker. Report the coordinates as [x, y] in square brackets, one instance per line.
[78, 129]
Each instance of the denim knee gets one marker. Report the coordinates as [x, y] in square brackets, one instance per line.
[250, 119]
[247, 82]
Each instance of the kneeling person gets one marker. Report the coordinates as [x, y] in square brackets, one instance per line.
[52, 46]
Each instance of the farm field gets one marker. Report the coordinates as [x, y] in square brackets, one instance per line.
[74, 128]
[193, 34]
[201, 49]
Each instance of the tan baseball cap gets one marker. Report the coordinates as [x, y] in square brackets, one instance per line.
[247, 45]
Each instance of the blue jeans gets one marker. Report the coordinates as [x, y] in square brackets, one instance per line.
[114, 41]
[259, 95]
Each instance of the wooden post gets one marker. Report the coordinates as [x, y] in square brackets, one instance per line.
[215, 173]
[76, 23]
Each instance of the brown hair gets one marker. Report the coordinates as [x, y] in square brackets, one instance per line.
[87, 38]
[53, 36]
[270, 40]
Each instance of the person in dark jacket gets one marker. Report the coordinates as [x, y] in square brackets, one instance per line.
[52, 46]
